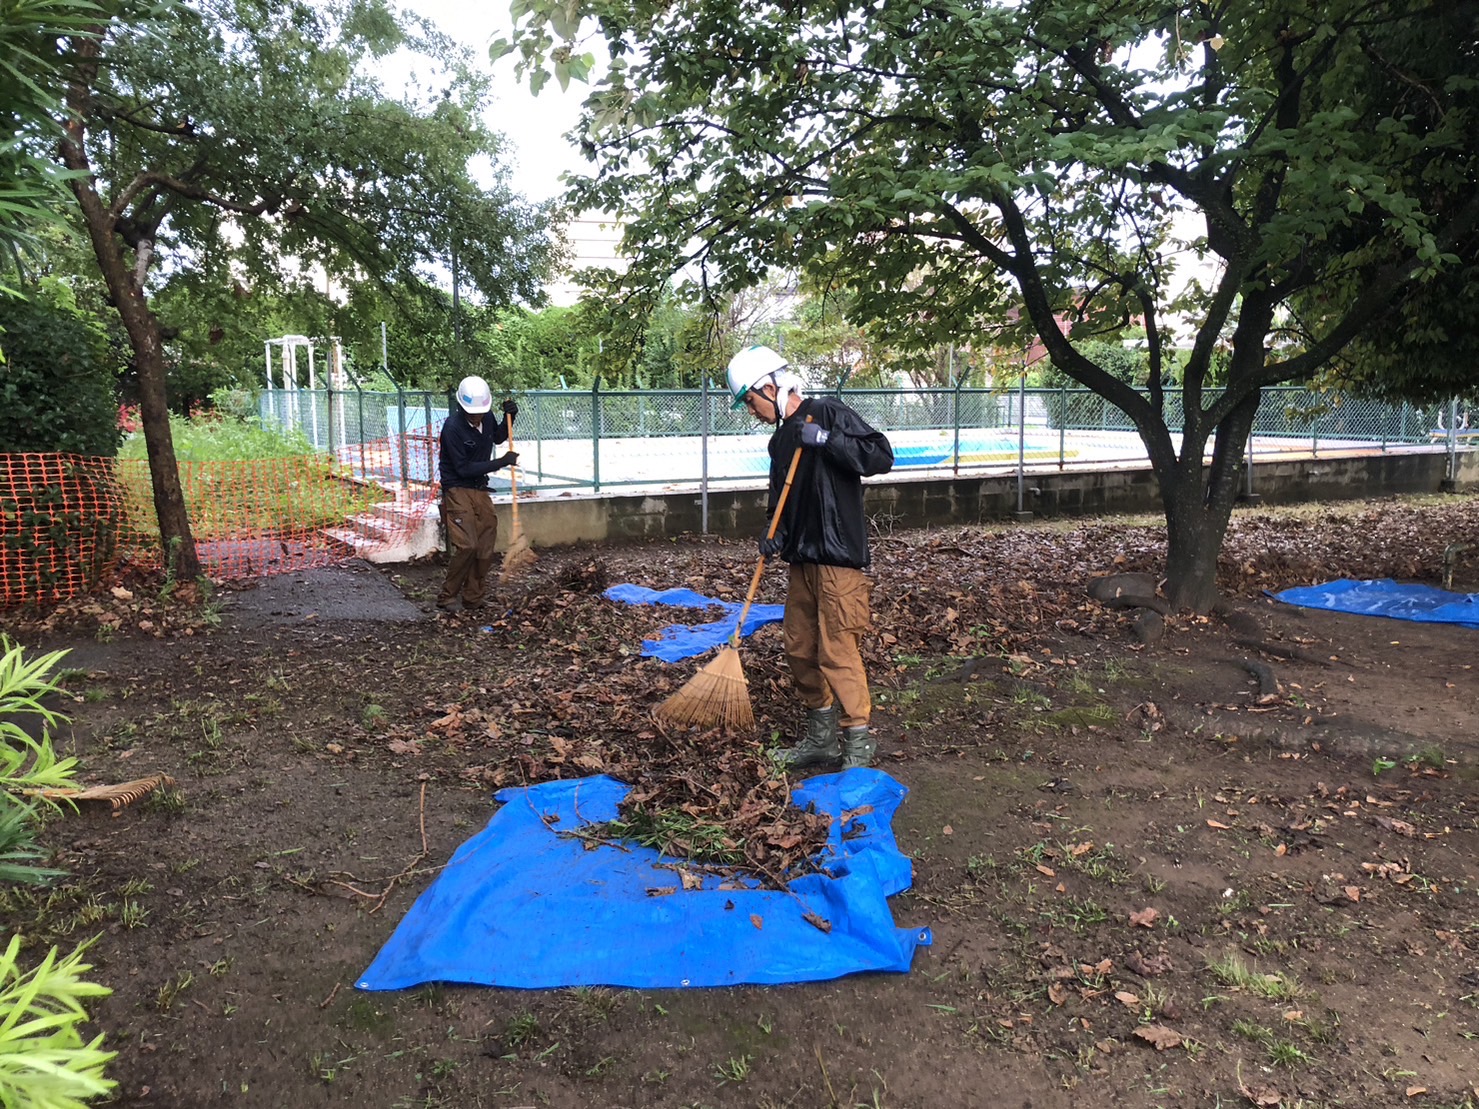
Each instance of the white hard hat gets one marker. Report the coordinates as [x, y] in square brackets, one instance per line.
[474, 396]
[749, 368]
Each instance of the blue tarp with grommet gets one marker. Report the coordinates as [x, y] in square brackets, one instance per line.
[679, 641]
[1384, 597]
[523, 904]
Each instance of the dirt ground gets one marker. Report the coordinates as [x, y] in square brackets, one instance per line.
[1153, 878]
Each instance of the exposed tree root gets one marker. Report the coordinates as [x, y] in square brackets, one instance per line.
[1268, 685]
[1280, 650]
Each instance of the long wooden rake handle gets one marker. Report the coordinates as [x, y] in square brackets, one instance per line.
[775, 521]
[513, 482]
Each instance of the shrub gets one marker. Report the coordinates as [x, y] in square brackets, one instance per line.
[57, 392]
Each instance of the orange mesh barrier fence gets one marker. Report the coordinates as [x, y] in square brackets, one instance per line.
[68, 522]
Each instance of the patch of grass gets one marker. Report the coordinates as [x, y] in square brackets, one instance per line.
[1252, 1030]
[521, 1029]
[1232, 971]
[170, 992]
[596, 1002]
[1284, 1053]
[735, 1069]
[1077, 913]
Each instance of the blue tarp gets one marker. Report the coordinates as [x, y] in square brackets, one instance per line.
[522, 905]
[1384, 597]
[679, 641]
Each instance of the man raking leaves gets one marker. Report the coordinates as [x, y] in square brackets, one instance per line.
[819, 454]
[467, 443]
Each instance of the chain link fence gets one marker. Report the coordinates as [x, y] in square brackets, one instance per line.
[598, 438]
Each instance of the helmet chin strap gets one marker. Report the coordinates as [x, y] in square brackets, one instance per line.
[786, 385]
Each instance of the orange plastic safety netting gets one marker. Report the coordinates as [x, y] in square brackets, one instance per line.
[68, 523]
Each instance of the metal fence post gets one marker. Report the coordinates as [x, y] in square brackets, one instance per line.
[596, 433]
[955, 410]
[1062, 424]
[1022, 444]
[1453, 441]
[400, 406]
[427, 397]
[538, 398]
[704, 459]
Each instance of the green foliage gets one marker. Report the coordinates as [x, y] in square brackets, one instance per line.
[44, 1061]
[1254, 185]
[57, 390]
[32, 66]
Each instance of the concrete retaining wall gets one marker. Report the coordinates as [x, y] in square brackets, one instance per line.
[556, 521]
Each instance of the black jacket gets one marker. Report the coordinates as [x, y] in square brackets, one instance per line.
[823, 521]
[467, 451]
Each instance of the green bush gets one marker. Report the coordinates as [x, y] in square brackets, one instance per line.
[57, 390]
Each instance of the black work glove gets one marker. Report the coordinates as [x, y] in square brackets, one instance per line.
[511, 409]
[814, 436]
[771, 546]
[509, 459]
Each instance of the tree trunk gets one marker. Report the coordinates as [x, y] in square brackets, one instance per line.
[1198, 506]
[126, 289]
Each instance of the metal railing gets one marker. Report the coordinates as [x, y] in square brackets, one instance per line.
[599, 438]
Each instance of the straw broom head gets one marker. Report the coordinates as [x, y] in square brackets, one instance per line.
[518, 558]
[716, 697]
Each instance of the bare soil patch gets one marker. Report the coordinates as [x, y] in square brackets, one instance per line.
[1153, 880]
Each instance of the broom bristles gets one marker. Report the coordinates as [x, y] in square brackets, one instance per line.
[716, 697]
[518, 558]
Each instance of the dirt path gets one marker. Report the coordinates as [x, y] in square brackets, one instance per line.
[1146, 887]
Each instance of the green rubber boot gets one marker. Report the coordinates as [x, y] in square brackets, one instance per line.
[820, 744]
[858, 746]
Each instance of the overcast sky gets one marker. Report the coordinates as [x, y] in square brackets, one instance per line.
[534, 125]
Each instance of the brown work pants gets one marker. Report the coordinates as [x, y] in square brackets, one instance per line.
[472, 532]
[827, 611]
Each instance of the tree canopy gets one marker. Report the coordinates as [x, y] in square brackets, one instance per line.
[963, 167]
[247, 141]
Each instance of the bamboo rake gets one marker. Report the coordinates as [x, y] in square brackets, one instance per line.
[520, 555]
[718, 695]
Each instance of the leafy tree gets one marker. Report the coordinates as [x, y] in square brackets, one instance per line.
[58, 391]
[33, 36]
[246, 133]
[955, 161]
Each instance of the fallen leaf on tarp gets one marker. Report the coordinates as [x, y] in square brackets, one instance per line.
[817, 921]
[756, 920]
[1145, 918]
[1159, 1036]
[661, 891]
[690, 880]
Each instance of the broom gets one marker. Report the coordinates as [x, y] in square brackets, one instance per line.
[520, 555]
[718, 695]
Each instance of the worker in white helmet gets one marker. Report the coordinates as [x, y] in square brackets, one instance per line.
[467, 509]
[823, 534]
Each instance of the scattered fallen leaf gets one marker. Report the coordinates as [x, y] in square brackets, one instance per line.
[1145, 918]
[1413, 1091]
[1219, 825]
[1046, 871]
[1159, 1036]
[1127, 999]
